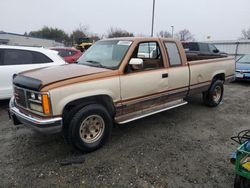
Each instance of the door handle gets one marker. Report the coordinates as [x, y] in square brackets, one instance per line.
[165, 75]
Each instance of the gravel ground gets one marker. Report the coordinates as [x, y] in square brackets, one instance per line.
[185, 147]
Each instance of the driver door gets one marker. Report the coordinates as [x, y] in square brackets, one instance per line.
[142, 87]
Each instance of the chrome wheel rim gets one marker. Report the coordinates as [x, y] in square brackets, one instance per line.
[217, 94]
[92, 128]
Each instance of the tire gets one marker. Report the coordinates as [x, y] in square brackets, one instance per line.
[241, 182]
[90, 128]
[213, 96]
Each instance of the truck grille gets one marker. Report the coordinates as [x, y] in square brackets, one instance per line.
[20, 97]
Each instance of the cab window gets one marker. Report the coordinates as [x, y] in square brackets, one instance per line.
[173, 54]
[150, 54]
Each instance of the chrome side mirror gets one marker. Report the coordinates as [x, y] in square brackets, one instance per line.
[136, 63]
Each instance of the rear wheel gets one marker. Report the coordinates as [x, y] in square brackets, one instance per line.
[90, 128]
[214, 95]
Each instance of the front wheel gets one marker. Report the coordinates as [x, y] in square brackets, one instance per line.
[214, 95]
[90, 128]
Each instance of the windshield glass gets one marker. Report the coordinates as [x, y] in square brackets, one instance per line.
[244, 59]
[105, 54]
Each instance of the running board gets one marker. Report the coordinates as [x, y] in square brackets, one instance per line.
[147, 112]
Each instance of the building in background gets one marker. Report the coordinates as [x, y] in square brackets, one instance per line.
[23, 40]
[235, 48]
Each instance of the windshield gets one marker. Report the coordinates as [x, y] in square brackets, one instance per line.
[105, 54]
[245, 59]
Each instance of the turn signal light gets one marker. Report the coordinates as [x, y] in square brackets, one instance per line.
[46, 104]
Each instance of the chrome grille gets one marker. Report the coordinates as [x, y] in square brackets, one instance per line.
[20, 97]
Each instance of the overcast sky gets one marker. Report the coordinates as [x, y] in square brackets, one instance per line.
[220, 19]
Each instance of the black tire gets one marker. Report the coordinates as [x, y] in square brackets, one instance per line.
[209, 98]
[80, 131]
[241, 182]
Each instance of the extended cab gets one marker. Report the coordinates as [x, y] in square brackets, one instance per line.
[115, 81]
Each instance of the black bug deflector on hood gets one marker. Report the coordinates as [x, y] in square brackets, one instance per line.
[27, 82]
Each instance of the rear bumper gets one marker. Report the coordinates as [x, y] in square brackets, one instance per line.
[47, 126]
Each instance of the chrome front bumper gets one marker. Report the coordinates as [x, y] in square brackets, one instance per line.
[48, 126]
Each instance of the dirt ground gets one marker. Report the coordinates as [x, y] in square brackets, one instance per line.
[185, 147]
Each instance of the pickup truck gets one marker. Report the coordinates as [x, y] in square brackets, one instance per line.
[113, 84]
[201, 50]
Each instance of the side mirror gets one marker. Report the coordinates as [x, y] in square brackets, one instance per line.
[136, 63]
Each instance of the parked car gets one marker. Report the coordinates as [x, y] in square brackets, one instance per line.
[70, 55]
[15, 59]
[243, 68]
[201, 50]
[112, 83]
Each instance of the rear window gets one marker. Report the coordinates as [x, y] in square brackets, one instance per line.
[190, 46]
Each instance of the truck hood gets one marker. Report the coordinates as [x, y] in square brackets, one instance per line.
[242, 66]
[38, 78]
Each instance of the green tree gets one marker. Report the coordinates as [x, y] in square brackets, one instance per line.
[80, 32]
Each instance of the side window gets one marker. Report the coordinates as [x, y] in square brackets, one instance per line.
[40, 58]
[190, 46]
[148, 50]
[72, 52]
[17, 57]
[204, 47]
[173, 54]
[150, 53]
[1, 57]
[212, 48]
[63, 53]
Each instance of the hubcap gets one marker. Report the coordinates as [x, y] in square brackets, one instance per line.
[217, 94]
[92, 128]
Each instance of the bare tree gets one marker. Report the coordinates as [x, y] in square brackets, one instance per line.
[246, 33]
[185, 35]
[117, 32]
[164, 34]
[80, 32]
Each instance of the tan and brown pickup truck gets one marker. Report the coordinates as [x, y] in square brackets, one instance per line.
[115, 81]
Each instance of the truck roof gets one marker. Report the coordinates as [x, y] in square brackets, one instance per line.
[140, 38]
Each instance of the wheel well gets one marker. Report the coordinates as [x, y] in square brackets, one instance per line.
[76, 105]
[220, 76]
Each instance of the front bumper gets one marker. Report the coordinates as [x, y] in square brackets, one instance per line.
[48, 125]
[242, 76]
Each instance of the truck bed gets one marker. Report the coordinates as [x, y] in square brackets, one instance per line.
[203, 71]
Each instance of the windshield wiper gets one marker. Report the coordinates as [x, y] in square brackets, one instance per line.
[95, 64]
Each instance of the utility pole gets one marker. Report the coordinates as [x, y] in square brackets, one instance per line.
[153, 17]
[172, 31]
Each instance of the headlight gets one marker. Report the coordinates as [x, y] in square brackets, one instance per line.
[33, 96]
[39, 102]
[39, 97]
